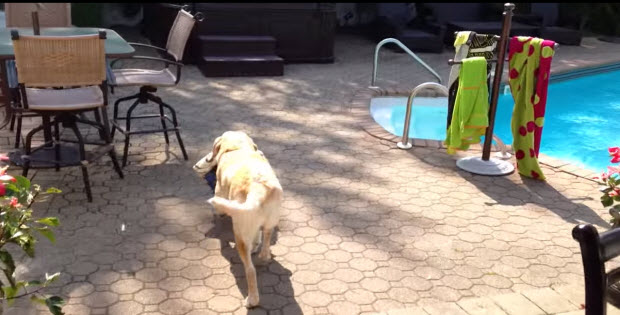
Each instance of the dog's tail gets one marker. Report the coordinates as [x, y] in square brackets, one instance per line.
[253, 201]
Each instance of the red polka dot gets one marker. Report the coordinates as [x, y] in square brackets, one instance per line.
[534, 174]
[514, 73]
[522, 131]
[531, 51]
[532, 153]
[520, 154]
[531, 126]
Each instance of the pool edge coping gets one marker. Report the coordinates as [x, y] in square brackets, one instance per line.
[360, 110]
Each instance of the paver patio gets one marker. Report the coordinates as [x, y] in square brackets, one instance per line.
[365, 227]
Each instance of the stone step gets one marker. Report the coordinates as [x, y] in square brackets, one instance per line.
[249, 65]
[219, 45]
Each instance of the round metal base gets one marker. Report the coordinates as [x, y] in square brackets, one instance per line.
[404, 146]
[492, 167]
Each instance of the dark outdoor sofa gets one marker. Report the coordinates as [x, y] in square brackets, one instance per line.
[416, 32]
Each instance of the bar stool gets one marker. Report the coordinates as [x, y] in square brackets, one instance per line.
[149, 80]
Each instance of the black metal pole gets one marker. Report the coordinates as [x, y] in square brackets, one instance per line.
[497, 79]
[35, 23]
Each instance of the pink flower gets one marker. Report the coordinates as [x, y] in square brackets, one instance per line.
[2, 190]
[14, 202]
[604, 177]
[613, 193]
[4, 157]
[613, 170]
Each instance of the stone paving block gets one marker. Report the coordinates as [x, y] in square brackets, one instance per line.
[574, 293]
[549, 301]
[516, 304]
[408, 311]
[480, 306]
[449, 308]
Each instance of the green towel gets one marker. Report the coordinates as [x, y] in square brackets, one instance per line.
[471, 107]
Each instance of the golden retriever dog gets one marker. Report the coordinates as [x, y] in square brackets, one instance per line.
[248, 191]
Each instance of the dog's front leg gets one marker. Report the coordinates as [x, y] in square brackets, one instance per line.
[250, 272]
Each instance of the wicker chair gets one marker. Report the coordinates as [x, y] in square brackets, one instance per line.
[149, 80]
[62, 77]
[19, 15]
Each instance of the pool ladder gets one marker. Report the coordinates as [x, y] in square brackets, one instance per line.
[404, 143]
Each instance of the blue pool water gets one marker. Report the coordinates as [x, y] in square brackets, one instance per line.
[581, 120]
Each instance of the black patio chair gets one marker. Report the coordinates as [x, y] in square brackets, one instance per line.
[149, 80]
[597, 249]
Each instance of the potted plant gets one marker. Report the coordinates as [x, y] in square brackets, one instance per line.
[19, 230]
[611, 187]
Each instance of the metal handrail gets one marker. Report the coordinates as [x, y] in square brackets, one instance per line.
[404, 144]
[407, 50]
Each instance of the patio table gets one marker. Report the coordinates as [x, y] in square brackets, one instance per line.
[115, 47]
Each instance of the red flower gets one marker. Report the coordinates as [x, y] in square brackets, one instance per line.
[613, 193]
[2, 190]
[615, 153]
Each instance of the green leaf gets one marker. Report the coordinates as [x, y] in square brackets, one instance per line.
[23, 182]
[11, 189]
[7, 260]
[49, 221]
[38, 300]
[33, 283]
[45, 231]
[54, 304]
[53, 190]
[606, 200]
[9, 294]
[49, 279]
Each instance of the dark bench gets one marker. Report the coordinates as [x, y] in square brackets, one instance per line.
[596, 249]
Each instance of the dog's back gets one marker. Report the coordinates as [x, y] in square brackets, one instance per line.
[250, 185]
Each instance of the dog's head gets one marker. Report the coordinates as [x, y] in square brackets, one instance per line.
[227, 142]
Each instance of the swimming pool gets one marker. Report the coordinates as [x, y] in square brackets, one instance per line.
[581, 119]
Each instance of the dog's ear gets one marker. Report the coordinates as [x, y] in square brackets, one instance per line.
[217, 144]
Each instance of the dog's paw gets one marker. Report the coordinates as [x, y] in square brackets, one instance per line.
[251, 301]
[210, 200]
[263, 259]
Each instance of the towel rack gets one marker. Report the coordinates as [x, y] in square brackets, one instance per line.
[452, 62]
[485, 165]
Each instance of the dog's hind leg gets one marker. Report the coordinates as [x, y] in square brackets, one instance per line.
[256, 242]
[265, 252]
[250, 272]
